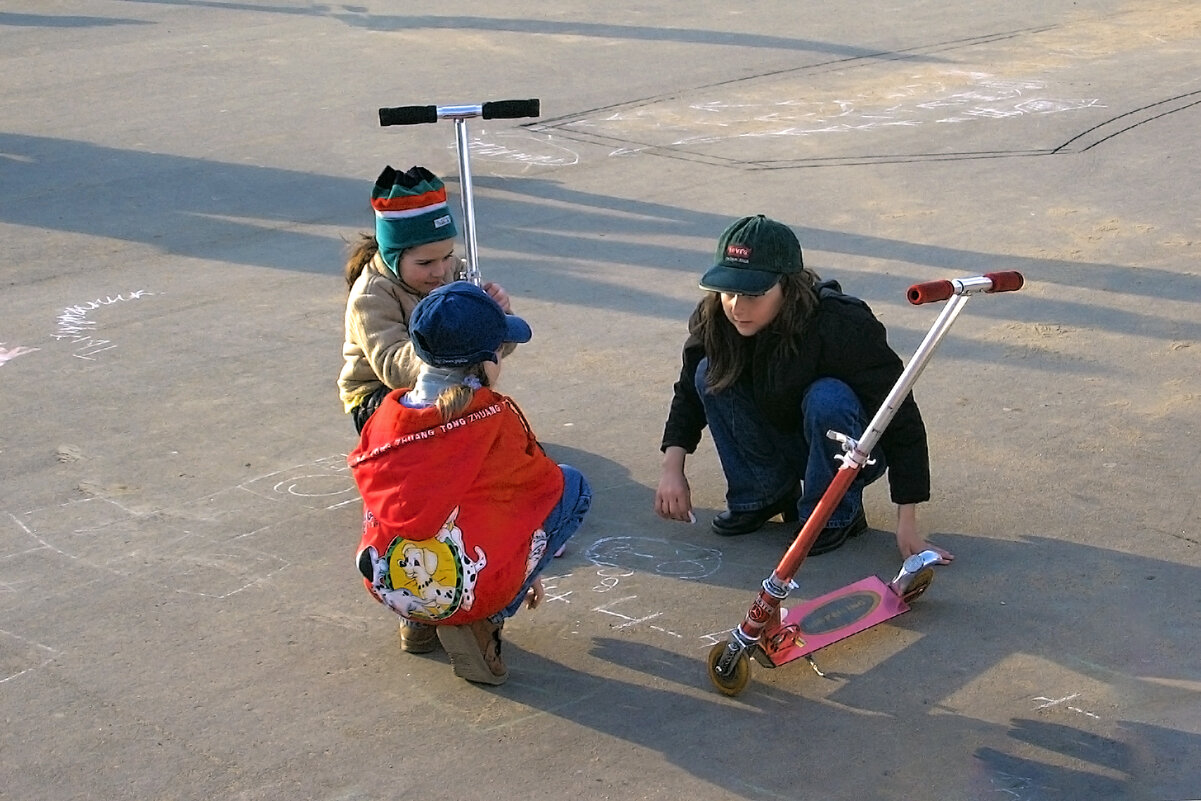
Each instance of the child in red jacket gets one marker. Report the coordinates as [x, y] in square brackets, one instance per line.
[463, 508]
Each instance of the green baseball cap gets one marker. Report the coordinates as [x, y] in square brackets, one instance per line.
[751, 256]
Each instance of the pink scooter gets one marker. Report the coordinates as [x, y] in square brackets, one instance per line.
[774, 639]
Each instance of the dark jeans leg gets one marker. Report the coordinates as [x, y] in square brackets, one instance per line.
[761, 464]
[831, 405]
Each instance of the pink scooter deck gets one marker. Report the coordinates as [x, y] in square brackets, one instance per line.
[832, 617]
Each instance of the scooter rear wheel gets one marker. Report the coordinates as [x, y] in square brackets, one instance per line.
[734, 683]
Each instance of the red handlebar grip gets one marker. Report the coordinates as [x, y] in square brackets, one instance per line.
[1010, 281]
[929, 292]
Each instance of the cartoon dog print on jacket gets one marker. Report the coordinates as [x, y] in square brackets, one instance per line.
[427, 579]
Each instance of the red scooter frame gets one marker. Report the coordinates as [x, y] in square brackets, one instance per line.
[774, 639]
[492, 110]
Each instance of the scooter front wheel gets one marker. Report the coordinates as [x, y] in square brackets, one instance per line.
[919, 584]
[739, 674]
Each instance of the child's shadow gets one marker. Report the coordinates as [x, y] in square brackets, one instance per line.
[602, 473]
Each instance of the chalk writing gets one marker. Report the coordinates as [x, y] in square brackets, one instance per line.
[610, 577]
[405, 439]
[76, 327]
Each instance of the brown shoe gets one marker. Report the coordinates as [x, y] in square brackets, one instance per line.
[417, 638]
[474, 651]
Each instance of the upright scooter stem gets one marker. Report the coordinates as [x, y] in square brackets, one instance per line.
[496, 109]
[728, 666]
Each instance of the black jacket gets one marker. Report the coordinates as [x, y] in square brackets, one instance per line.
[842, 340]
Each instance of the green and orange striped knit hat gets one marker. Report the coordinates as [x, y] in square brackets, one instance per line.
[410, 210]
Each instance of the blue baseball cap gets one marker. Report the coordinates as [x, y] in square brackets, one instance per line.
[460, 324]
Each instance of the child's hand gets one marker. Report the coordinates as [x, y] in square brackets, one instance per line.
[673, 498]
[535, 594]
[498, 293]
[909, 539]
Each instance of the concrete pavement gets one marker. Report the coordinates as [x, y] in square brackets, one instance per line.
[180, 617]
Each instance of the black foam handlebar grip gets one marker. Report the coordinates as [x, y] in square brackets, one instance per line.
[510, 109]
[408, 115]
[1009, 281]
[929, 292]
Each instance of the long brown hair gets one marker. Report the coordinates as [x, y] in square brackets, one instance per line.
[729, 352]
[362, 251]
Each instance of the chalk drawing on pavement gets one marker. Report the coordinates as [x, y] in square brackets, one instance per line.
[22, 655]
[8, 354]
[214, 546]
[76, 327]
[324, 483]
[662, 557]
[959, 97]
[523, 148]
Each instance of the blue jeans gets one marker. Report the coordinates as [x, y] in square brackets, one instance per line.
[763, 464]
[562, 522]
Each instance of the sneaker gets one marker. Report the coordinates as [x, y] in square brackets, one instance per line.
[474, 651]
[832, 538]
[562, 550]
[417, 638]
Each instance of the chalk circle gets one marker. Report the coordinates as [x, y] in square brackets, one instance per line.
[314, 486]
[675, 559]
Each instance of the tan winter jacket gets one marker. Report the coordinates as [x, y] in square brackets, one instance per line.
[377, 349]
